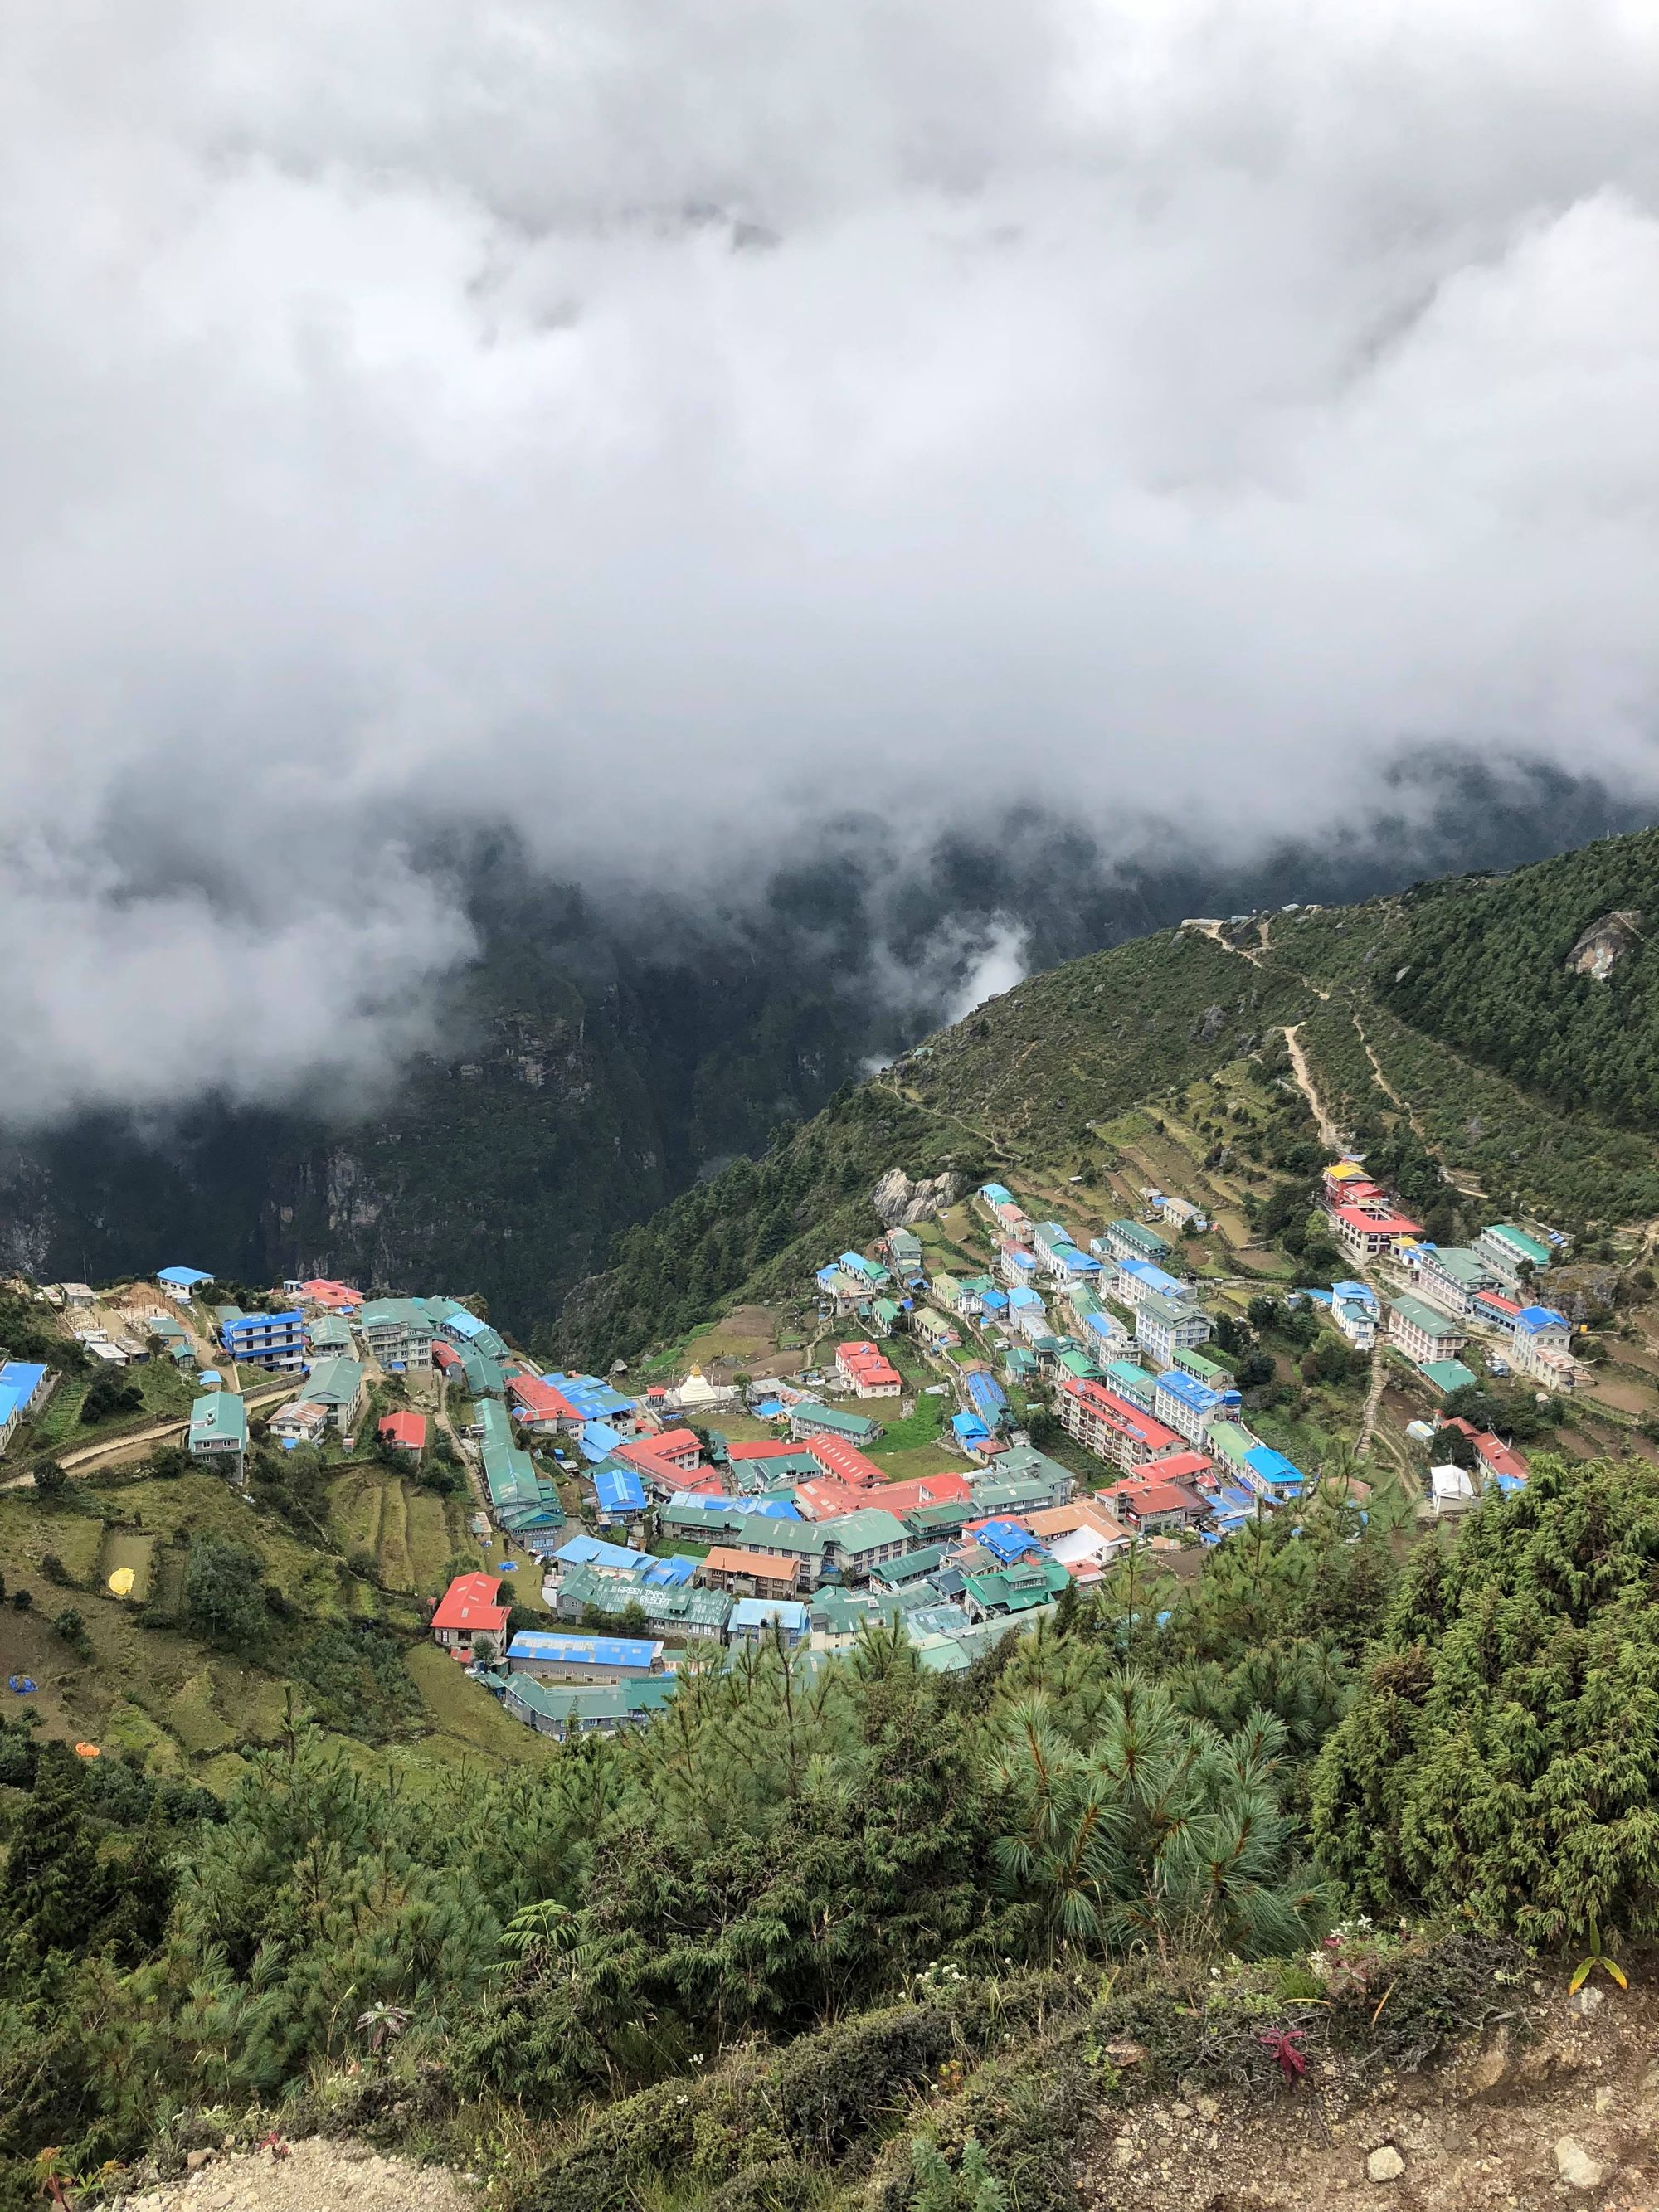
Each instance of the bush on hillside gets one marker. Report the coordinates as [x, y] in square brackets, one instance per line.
[1502, 1758]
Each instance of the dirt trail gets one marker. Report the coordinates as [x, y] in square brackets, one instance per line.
[1329, 1135]
[1373, 1400]
[1215, 931]
[1468, 1188]
[1571, 2117]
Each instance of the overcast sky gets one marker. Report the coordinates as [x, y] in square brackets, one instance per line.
[606, 416]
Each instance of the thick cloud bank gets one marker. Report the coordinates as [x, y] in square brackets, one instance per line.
[667, 428]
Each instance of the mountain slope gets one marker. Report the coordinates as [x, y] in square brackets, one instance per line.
[1432, 1083]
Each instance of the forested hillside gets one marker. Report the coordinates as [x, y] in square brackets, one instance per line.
[799, 1941]
[1485, 966]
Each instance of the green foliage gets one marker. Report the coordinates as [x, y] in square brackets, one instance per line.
[1486, 971]
[357, 1679]
[224, 1593]
[762, 1226]
[1502, 1759]
[971, 2188]
[109, 1396]
[1508, 1413]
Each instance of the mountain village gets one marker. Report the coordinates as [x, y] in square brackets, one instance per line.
[1083, 1400]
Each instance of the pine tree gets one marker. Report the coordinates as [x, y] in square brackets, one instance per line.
[55, 1887]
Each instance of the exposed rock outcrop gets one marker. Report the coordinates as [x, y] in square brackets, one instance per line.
[1606, 943]
[900, 1203]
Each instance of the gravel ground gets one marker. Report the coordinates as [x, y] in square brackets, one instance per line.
[316, 2176]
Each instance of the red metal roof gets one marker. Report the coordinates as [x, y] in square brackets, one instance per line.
[1184, 1466]
[947, 1488]
[408, 1429]
[1499, 1458]
[1142, 1498]
[544, 1402]
[1378, 1224]
[469, 1605]
[844, 1460]
[823, 1498]
[1119, 1413]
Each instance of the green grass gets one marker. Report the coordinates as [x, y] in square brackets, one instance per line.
[165, 1395]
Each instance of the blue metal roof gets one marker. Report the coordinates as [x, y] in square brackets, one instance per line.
[671, 1573]
[462, 1324]
[773, 1509]
[185, 1276]
[761, 1612]
[1196, 1397]
[970, 1427]
[1272, 1466]
[618, 1490]
[1532, 1317]
[637, 1651]
[585, 1551]
[768, 1409]
[1150, 1278]
[988, 1395]
[1006, 1540]
[598, 1440]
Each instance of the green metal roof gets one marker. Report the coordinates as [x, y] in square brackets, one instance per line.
[1466, 1268]
[864, 1530]
[1428, 1318]
[763, 1532]
[1017, 1589]
[1231, 1439]
[334, 1382]
[1447, 1376]
[832, 1418]
[1524, 1246]
[219, 1417]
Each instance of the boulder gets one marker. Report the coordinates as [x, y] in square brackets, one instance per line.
[1384, 2164]
[1575, 2167]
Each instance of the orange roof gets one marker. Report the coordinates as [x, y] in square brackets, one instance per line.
[408, 1429]
[1145, 1497]
[764, 1450]
[823, 1498]
[469, 1605]
[756, 1565]
[946, 1488]
[844, 1460]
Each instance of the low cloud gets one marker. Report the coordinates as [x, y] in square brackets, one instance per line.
[668, 431]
